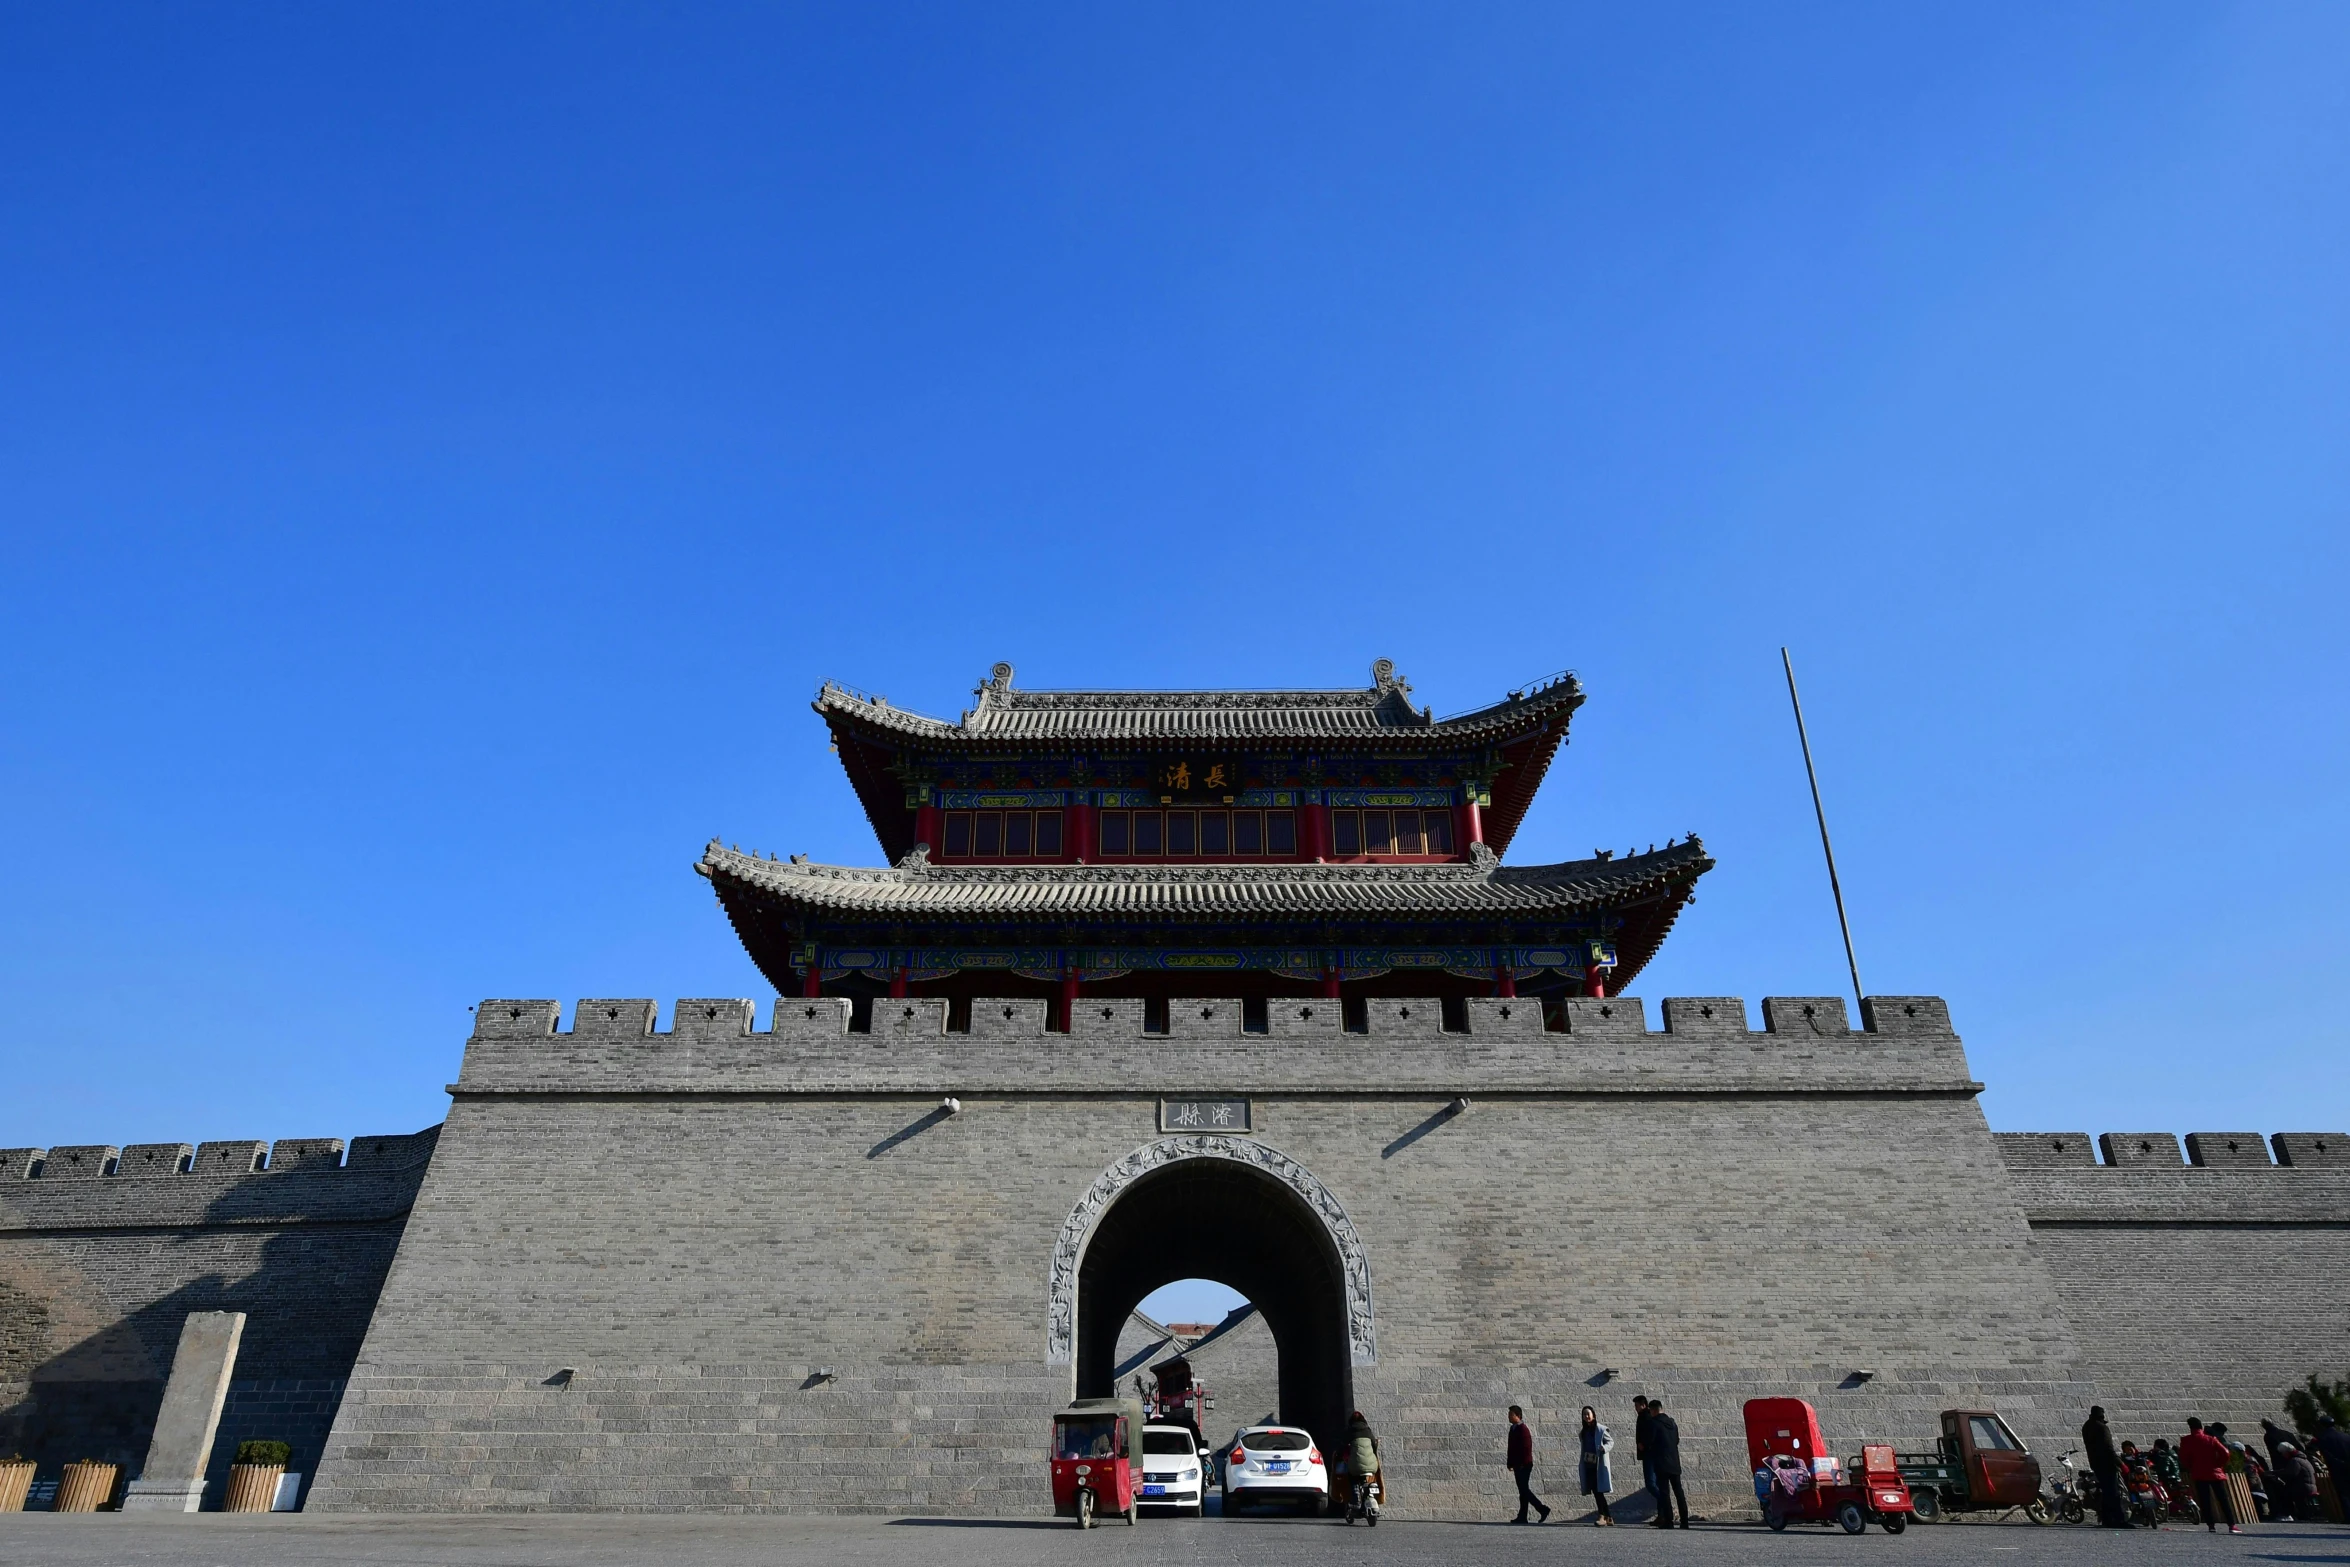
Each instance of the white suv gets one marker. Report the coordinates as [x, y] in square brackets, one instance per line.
[1171, 1469]
[1274, 1464]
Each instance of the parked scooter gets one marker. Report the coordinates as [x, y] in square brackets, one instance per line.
[2064, 1495]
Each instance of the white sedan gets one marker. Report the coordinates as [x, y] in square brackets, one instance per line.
[1274, 1464]
[1171, 1469]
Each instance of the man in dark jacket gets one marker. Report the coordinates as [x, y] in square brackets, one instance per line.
[2105, 1462]
[1640, 1445]
[1521, 1462]
[1664, 1454]
[2332, 1444]
[2275, 1437]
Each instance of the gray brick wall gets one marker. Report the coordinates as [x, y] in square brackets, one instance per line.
[98, 1271]
[2195, 1289]
[694, 1227]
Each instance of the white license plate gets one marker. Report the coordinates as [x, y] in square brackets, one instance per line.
[1154, 1490]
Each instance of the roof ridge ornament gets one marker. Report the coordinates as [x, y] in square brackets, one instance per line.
[1482, 857]
[916, 859]
[999, 683]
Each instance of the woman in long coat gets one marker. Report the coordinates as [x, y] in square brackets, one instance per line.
[1595, 1444]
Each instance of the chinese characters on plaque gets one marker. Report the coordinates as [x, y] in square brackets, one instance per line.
[1196, 780]
[1203, 1115]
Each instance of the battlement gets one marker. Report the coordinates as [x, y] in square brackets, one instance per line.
[922, 1044]
[2160, 1150]
[144, 1161]
[2223, 1180]
[1005, 1017]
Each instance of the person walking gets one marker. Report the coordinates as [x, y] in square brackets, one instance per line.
[1362, 1463]
[1664, 1456]
[1640, 1448]
[1594, 1443]
[1521, 1462]
[2205, 1458]
[2105, 1462]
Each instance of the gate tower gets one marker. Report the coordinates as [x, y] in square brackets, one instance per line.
[1161, 844]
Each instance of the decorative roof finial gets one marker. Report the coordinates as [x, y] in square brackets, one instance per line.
[1383, 673]
[999, 682]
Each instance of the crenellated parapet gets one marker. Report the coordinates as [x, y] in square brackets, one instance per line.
[1804, 1044]
[296, 1179]
[2144, 1178]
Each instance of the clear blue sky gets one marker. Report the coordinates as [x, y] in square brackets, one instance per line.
[442, 447]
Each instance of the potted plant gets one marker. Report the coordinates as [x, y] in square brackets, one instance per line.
[253, 1476]
[87, 1486]
[16, 1479]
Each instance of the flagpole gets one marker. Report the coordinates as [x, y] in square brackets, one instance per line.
[1826, 848]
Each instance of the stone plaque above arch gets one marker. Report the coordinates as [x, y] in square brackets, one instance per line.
[1069, 1253]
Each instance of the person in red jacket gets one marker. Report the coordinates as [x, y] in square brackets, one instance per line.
[1521, 1461]
[2205, 1458]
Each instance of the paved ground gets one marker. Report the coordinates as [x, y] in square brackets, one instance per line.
[220, 1540]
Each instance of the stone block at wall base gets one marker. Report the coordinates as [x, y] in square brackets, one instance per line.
[164, 1496]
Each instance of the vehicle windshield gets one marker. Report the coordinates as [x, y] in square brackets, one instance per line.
[1276, 1441]
[1992, 1436]
[1155, 1441]
[1090, 1436]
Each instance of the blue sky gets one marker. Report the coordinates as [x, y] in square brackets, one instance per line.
[442, 447]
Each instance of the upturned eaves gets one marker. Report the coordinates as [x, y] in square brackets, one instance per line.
[1380, 715]
[1482, 887]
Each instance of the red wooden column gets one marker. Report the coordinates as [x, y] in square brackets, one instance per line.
[1330, 984]
[1317, 834]
[1505, 982]
[926, 828]
[1595, 981]
[1081, 831]
[1472, 826]
[1068, 1007]
[813, 986]
[897, 983]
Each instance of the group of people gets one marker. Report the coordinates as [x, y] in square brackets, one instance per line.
[1656, 1445]
[2282, 1484]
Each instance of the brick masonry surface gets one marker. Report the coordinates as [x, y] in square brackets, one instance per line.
[97, 1273]
[721, 1267]
[695, 1225]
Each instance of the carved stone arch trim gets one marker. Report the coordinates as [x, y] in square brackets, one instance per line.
[1069, 1253]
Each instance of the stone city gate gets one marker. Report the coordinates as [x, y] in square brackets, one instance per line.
[806, 1268]
[1233, 1209]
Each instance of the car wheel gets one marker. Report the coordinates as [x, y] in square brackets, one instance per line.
[1892, 1523]
[1776, 1517]
[1852, 1518]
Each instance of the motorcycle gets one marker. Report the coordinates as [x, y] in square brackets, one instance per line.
[1362, 1499]
[2064, 1496]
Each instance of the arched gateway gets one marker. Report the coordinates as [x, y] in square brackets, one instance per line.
[1231, 1209]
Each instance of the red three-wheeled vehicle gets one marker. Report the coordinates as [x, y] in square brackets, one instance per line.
[1097, 1457]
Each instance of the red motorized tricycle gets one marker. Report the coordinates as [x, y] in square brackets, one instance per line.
[1798, 1480]
[1097, 1457]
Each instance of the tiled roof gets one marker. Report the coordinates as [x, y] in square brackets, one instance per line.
[1483, 887]
[1381, 712]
